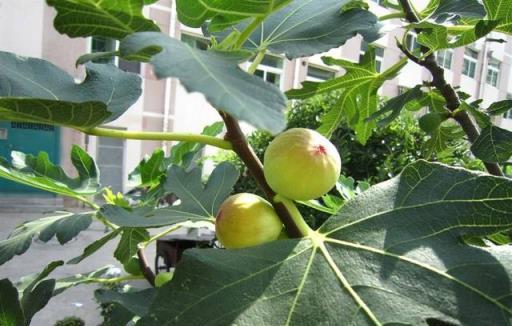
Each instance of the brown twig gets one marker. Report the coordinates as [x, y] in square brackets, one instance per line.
[446, 90]
[144, 267]
[245, 152]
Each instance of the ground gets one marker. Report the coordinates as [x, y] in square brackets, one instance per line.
[78, 301]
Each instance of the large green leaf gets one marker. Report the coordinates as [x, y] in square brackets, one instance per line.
[39, 172]
[195, 13]
[135, 302]
[216, 75]
[359, 99]
[307, 27]
[64, 226]
[392, 108]
[436, 37]
[10, 308]
[500, 10]
[150, 170]
[128, 245]
[198, 201]
[35, 90]
[392, 256]
[109, 18]
[493, 145]
[453, 10]
[36, 291]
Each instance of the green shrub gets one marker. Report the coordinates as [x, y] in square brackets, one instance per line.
[70, 321]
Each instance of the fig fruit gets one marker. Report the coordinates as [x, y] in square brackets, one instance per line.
[301, 164]
[246, 220]
[163, 278]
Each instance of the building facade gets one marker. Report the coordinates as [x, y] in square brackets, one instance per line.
[482, 70]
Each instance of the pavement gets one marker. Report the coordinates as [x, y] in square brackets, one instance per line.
[78, 301]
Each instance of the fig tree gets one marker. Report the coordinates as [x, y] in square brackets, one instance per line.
[246, 220]
[301, 164]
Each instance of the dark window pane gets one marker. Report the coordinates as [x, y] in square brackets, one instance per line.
[130, 66]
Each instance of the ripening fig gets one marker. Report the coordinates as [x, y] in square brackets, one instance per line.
[246, 220]
[301, 164]
[162, 278]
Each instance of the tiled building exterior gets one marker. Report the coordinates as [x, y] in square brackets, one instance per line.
[483, 70]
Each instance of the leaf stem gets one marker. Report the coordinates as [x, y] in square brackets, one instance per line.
[448, 92]
[246, 33]
[392, 15]
[116, 279]
[164, 136]
[256, 62]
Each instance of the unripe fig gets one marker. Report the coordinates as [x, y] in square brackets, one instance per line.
[301, 164]
[163, 278]
[246, 220]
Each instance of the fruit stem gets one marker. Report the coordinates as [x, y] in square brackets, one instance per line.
[295, 214]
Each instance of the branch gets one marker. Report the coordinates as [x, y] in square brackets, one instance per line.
[241, 147]
[449, 94]
[144, 267]
[164, 136]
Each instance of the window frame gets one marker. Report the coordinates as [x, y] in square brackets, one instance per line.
[492, 77]
[315, 79]
[442, 56]
[379, 59]
[266, 69]
[470, 61]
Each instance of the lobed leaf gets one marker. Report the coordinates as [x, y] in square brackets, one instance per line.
[39, 172]
[64, 226]
[500, 11]
[392, 255]
[307, 27]
[198, 201]
[216, 75]
[128, 245]
[108, 18]
[11, 313]
[359, 100]
[493, 145]
[35, 90]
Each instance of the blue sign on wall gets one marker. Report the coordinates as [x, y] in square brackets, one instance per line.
[29, 138]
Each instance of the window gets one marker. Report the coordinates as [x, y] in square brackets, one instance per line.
[319, 74]
[110, 158]
[411, 42]
[195, 41]
[379, 55]
[493, 72]
[103, 44]
[270, 69]
[470, 62]
[444, 58]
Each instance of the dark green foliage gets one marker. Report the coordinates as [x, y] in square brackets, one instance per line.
[70, 321]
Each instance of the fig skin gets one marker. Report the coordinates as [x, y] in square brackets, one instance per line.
[246, 220]
[301, 164]
[163, 278]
